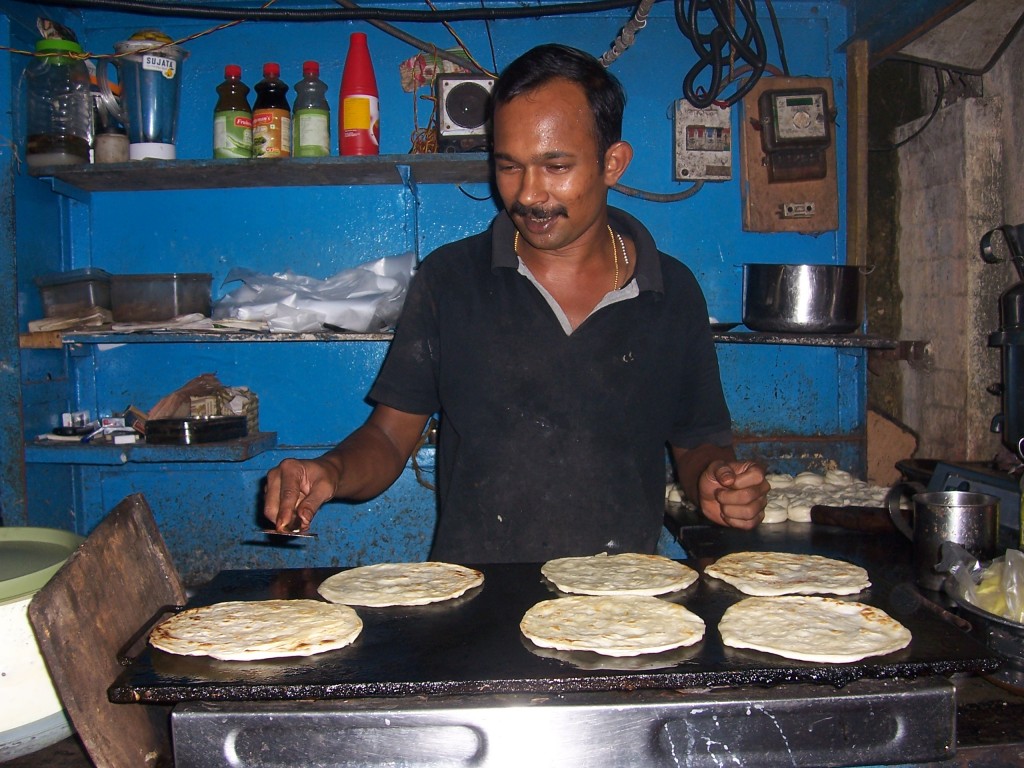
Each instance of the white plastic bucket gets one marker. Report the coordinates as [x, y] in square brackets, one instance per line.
[31, 713]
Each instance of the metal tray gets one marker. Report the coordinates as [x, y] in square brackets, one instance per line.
[473, 645]
[212, 429]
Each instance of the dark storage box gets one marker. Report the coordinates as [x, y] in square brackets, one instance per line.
[190, 431]
[150, 298]
[74, 293]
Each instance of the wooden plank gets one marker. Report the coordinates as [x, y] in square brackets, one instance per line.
[857, 155]
[112, 586]
[41, 340]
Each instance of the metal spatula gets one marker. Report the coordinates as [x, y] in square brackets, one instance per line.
[296, 534]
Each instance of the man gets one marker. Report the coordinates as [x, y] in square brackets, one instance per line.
[561, 350]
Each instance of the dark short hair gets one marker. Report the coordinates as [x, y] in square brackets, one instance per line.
[545, 63]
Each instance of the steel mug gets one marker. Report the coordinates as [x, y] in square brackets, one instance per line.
[967, 518]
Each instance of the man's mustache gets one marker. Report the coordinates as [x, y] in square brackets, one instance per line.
[536, 212]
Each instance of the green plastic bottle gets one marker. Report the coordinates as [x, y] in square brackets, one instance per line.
[311, 114]
[232, 117]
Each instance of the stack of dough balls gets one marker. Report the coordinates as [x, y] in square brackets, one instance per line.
[791, 498]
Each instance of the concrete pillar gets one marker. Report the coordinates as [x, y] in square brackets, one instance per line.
[1006, 81]
[950, 192]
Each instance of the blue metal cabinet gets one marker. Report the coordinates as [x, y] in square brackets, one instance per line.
[795, 406]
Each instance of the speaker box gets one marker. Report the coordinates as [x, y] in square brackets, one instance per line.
[462, 112]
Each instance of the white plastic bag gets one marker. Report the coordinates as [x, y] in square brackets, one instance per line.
[1000, 589]
[997, 588]
[365, 299]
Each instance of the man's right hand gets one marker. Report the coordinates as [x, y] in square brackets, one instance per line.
[363, 465]
[296, 489]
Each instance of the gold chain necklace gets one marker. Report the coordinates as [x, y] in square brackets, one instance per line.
[622, 247]
[616, 242]
[615, 255]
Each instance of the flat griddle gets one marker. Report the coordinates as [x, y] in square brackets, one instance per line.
[472, 645]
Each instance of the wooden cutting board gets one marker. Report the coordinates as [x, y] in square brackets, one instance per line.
[866, 519]
[116, 582]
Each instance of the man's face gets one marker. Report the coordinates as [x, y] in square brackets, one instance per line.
[547, 169]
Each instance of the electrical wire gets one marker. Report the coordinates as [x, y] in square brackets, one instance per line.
[751, 48]
[490, 41]
[939, 96]
[474, 197]
[627, 35]
[660, 197]
[722, 44]
[739, 71]
[145, 7]
[778, 37]
[622, 42]
[462, 46]
[155, 47]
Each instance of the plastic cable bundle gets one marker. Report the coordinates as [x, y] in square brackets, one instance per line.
[628, 34]
[728, 40]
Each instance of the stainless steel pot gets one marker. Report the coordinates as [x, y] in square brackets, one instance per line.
[801, 298]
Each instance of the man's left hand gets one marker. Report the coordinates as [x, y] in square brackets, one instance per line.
[734, 493]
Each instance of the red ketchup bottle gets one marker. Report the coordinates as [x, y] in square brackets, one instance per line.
[359, 114]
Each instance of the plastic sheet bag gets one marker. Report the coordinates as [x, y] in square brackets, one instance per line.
[365, 299]
[997, 588]
[1000, 590]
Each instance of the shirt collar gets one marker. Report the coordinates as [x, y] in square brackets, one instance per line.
[647, 271]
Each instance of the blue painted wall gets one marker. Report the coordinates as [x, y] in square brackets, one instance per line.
[796, 406]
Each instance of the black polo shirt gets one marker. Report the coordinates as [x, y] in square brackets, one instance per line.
[552, 444]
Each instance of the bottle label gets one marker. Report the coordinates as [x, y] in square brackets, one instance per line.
[271, 133]
[312, 133]
[165, 65]
[232, 135]
[361, 124]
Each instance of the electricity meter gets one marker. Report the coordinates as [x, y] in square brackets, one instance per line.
[795, 132]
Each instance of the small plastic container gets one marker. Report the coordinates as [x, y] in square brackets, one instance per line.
[152, 298]
[75, 293]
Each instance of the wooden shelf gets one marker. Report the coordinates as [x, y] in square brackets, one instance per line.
[212, 337]
[41, 340]
[160, 175]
